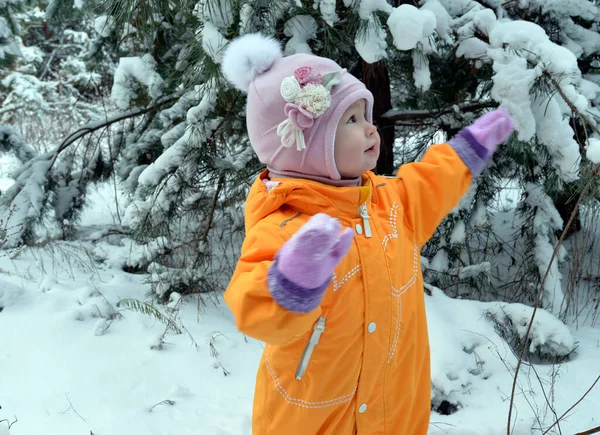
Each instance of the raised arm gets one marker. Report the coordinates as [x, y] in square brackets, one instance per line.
[430, 189]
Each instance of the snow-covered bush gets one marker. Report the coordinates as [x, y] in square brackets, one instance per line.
[475, 347]
[549, 340]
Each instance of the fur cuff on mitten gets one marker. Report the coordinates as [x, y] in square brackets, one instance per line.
[291, 296]
[477, 143]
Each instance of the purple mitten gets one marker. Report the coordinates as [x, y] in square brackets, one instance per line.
[492, 129]
[304, 265]
[476, 143]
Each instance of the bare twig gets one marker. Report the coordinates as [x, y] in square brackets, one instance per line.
[214, 353]
[541, 290]
[590, 431]
[547, 399]
[574, 405]
[164, 402]
[586, 187]
[10, 424]
[74, 410]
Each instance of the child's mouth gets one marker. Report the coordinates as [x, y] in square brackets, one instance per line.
[370, 149]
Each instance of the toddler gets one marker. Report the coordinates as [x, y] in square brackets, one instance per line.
[329, 275]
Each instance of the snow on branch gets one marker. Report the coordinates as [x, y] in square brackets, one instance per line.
[545, 222]
[28, 196]
[549, 338]
[129, 74]
[195, 133]
[11, 141]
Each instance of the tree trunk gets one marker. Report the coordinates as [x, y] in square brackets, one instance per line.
[565, 205]
[376, 78]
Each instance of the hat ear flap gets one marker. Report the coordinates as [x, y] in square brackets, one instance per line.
[247, 57]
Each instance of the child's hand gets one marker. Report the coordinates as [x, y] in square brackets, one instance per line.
[492, 129]
[310, 256]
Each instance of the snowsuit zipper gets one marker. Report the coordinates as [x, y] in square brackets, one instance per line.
[364, 213]
[310, 347]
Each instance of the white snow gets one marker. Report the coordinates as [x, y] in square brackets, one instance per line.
[73, 362]
[411, 29]
[327, 8]
[32, 54]
[554, 131]
[522, 55]
[512, 83]
[421, 73]
[371, 44]
[300, 29]
[479, 216]
[410, 26]
[484, 20]
[443, 19]
[73, 369]
[246, 12]
[545, 223]
[593, 150]
[217, 12]
[589, 89]
[575, 8]
[368, 7]
[458, 7]
[586, 39]
[440, 261]
[547, 334]
[133, 70]
[532, 43]
[213, 41]
[459, 232]
[473, 366]
[472, 48]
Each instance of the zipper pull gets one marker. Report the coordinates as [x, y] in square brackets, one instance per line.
[364, 213]
[310, 347]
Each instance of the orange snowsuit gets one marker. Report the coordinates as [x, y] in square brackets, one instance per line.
[369, 372]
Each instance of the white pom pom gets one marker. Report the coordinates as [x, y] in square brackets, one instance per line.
[248, 56]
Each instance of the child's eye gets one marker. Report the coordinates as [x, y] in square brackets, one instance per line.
[352, 120]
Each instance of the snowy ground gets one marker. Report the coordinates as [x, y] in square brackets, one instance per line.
[67, 370]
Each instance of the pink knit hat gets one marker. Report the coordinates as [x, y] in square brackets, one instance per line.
[294, 106]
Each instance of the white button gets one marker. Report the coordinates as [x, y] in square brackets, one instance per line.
[358, 229]
[372, 327]
[362, 408]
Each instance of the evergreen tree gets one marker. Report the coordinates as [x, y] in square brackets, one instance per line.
[52, 88]
[181, 152]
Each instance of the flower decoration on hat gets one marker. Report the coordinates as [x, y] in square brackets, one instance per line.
[308, 96]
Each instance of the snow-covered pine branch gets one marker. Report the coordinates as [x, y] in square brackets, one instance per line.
[447, 60]
[11, 142]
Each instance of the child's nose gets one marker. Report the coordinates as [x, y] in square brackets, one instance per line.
[371, 129]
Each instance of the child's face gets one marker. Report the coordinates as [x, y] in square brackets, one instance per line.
[356, 142]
